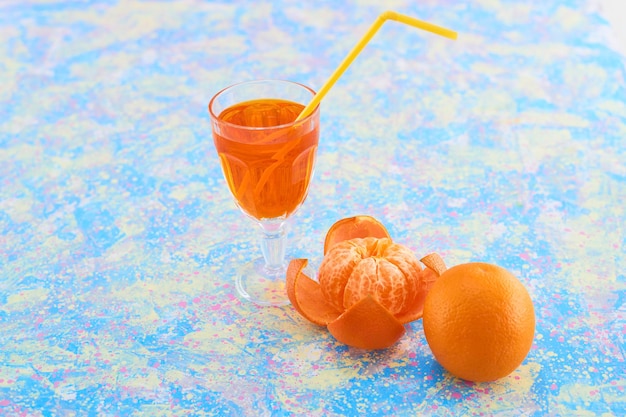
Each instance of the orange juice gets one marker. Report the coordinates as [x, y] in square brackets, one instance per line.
[266, 158]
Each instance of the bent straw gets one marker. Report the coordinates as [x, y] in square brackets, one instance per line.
[388, 15]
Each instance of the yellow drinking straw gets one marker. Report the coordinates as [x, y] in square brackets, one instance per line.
[388, 15]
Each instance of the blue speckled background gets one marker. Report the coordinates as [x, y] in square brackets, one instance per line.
[119, 238]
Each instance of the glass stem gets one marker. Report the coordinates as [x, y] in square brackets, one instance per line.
[273, 245]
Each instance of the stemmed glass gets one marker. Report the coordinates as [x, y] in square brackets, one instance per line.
[267, 159]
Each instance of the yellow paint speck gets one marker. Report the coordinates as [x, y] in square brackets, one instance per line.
[22, 299]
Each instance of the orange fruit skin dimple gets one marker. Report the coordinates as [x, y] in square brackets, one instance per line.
[479, 321]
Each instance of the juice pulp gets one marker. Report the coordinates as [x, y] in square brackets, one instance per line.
[267, 165]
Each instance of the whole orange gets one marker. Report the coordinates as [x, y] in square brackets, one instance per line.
[479, 321]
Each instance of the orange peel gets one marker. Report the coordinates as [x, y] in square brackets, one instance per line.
[306, 295]
[353, 227]
[368, 287]
[382, 328]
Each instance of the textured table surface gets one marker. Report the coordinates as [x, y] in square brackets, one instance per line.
[119, 239]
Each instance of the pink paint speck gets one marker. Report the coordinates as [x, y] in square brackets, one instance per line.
[4, 403]
[182, 304]
[456, 395]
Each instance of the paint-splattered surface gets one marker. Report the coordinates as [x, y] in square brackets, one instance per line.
[118, 238]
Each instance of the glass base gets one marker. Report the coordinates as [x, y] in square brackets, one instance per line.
[264, 286]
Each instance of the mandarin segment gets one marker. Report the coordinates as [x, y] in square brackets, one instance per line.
[427, 277]
[405, 260]
[335, 270]
[380, 279]
[435, 266]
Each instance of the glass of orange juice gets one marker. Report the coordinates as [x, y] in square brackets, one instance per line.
[267, 159]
